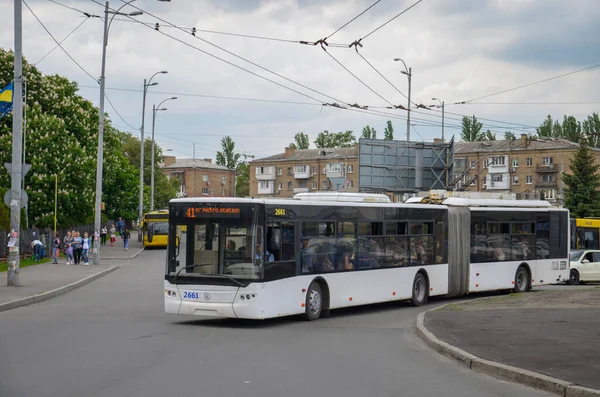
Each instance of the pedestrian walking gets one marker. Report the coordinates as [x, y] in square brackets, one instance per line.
[103, 234]
[113, 237]
[68, 242]
[85, 246]
[56, 248]
[125, 236]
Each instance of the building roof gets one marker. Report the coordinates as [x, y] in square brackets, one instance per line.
[501, 146]
[312, 154]
[189, 163]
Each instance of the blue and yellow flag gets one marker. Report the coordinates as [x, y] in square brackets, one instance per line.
[6, 99]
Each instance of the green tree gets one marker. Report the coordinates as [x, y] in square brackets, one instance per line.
[591, 129]
[571, 129]
[545, 129]
[228, 157]
[489, 136]
[582, 192]
[301, 141]
[388, 133]
[242, 187]
[509, 136]
[471, 130]
[369, 132]
[326, 139]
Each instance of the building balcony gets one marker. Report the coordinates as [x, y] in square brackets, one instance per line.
[545, 168]
[301, 190]
[503, 185]
[265, 173]
[543, 184]
[302, 172]
[269, 189]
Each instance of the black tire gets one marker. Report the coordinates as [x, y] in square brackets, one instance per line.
[420, 291]
[574, 277]
[522, 281]
[314, 302]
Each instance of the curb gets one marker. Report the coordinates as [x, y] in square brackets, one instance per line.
[128, 258]
[501, 371]
[30, 300]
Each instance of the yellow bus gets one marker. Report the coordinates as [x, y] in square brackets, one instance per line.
[159, 222]
[585, 233]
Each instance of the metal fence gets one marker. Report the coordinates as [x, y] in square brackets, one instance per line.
[46, 236]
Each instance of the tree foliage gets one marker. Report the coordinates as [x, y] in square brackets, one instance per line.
[582, 192]
[471, 130]
[388, 133]
[489, 136]
[326, 139]
[242, 187]
[572, 129]
[61, 139]
[369, 132]
[228, 157]
[509, 136]
[301, 141]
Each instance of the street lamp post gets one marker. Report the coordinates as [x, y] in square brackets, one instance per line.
[407, 72]
[155, 110]
[442, 106]
[141, 201]
[100, 159]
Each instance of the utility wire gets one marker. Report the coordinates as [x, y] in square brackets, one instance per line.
[528, 85]
[62, 41]
[379, 73]
[379, 27]
[117, 112]
[352, 20]
[534, 103]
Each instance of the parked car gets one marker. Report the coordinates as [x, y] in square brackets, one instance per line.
[585, 266]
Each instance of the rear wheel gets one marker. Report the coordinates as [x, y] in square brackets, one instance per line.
[419, 291]
[521, 280]
[314, 302]
[574, 277]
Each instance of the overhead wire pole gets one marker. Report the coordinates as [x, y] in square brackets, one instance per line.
[155, 110]
[408, 72]
[12, 273]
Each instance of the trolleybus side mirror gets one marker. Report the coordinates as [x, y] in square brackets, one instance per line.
[150, 232]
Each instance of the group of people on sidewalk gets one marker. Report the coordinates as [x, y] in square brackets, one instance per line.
[77, 248]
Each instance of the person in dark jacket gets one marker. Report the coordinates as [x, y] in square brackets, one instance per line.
[125, 236]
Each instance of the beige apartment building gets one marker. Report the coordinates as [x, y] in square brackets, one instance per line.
[200, 177]
[305, 170]
[530, 168]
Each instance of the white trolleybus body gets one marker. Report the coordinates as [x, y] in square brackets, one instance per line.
[264, 258]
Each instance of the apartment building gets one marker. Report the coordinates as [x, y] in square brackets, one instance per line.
[305, 170]
[531, 168]
[200, 177]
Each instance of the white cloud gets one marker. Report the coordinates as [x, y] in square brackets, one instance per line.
[458, 50]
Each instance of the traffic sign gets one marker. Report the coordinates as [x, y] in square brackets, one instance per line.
[8, 198]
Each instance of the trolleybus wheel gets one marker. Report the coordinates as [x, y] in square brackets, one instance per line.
[314, 302]
[419, 291]
[521, 280]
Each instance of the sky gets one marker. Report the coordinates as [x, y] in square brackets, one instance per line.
[458, 50]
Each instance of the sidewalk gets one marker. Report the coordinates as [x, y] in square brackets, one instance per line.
[47, 280]
[553, 333]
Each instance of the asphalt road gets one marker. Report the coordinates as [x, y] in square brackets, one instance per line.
[112, 338]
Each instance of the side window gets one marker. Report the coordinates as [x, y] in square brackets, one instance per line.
[596, 256]
[421, 244]
[281, 243]
[319, 247]
[479, 246]
[371, 246]
[589, 256]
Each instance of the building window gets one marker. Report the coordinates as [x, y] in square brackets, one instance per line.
[289, 185]
[222, 192]
[351, 183]
[528, 180]
[279, 171]
[529, 162]
[289, 171]
[350, 169]
[313, 170]
[324, 170]
[205, 178]
[334, 167]
[498, 160]
[472, 164]
[280, 186]
[550, 194]
[497, 178]
[314, 185]
[526, 195]
[302, 184]
[484, 180]
[205, 191]
[324, 185]
[223, 179]
[515, 163]
[547, 178]
[547, 160]
[515, 180]
[263, 184]
[300, 168]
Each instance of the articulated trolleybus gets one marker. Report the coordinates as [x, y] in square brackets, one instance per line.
[264, 258]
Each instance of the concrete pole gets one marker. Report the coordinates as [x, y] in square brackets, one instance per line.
[443, 122]
[141, 201]
[408, 118]
[100, 159]
[17, 142]
[154, 110]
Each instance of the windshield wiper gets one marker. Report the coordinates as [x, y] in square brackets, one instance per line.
[230, 278]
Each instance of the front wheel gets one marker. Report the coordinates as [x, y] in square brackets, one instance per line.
[314, 302]
[521, 280]
[419, 291]
[574, 277]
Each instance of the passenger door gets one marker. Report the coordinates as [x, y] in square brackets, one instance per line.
[595, 268]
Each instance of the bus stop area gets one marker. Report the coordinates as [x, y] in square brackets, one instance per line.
[46, 280]
[550, 332]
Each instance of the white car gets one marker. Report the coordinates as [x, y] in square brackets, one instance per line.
[585, 266]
